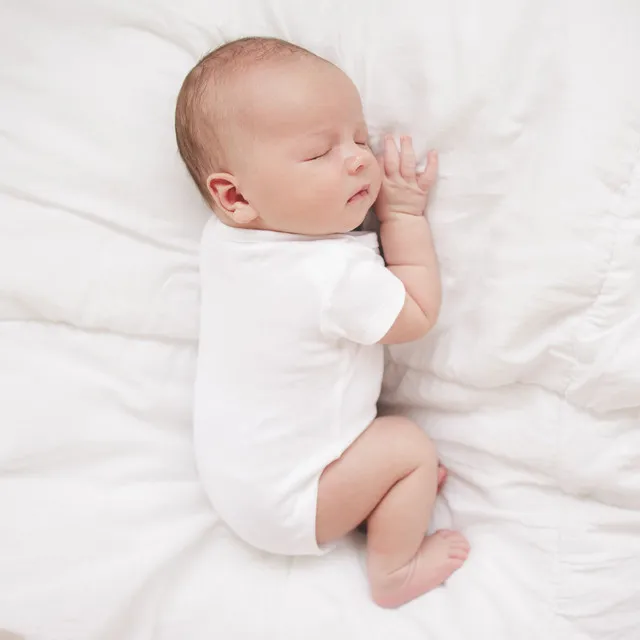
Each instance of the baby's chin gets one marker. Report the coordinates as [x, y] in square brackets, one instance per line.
[357, 213]
[358, 223]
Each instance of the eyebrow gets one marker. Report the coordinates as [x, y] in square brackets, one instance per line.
[359, 127]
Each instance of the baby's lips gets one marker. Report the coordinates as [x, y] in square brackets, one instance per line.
[361, 191]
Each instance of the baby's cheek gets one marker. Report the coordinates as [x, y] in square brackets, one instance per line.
[376, 181]
[330, 195]
[274, 190]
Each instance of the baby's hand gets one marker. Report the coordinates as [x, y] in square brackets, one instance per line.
[403, 191]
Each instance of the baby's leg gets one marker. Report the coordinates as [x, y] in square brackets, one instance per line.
[442, 478]
[389, 475]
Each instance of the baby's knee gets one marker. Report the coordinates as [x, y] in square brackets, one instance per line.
[413, 440]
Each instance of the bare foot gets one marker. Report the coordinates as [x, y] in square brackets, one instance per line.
[437, 558]
[442, 475]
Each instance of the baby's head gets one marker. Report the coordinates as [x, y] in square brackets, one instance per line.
[275, 138]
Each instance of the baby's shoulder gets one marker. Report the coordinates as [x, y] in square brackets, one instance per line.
[328, 259]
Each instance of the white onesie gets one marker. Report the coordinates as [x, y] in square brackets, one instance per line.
[288, 373]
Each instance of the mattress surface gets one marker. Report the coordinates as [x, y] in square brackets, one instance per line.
[530, 384]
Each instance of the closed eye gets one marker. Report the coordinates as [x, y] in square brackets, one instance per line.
[317, 157]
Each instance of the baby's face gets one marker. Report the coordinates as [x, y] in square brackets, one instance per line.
[303, 162]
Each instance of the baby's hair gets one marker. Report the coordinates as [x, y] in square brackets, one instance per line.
[200, 107]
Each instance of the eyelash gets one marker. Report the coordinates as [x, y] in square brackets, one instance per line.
[322, 155]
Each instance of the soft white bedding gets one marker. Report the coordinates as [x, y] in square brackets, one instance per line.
[530, 384]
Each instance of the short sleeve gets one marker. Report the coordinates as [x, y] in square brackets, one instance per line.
[364, 302]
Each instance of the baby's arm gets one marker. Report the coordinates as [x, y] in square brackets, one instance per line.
[406, 239]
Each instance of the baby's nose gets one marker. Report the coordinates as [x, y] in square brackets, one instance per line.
[355, 163]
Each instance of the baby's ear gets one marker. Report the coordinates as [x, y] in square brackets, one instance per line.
[223, 189]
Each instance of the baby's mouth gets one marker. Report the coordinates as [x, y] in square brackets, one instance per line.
[358, 195]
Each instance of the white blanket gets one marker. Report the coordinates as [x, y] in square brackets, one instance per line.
[530, 384]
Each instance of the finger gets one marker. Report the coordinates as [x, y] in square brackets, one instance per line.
[407, 159]
[428, 177]
[391, 158]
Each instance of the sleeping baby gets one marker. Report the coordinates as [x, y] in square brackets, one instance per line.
[296, 308]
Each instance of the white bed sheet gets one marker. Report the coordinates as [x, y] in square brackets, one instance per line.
[530, 384]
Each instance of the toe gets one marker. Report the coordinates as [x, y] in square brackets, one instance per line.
[461, 543]
[455, 537]
[458, 553]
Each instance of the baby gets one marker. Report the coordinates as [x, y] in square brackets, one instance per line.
[296, 308]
